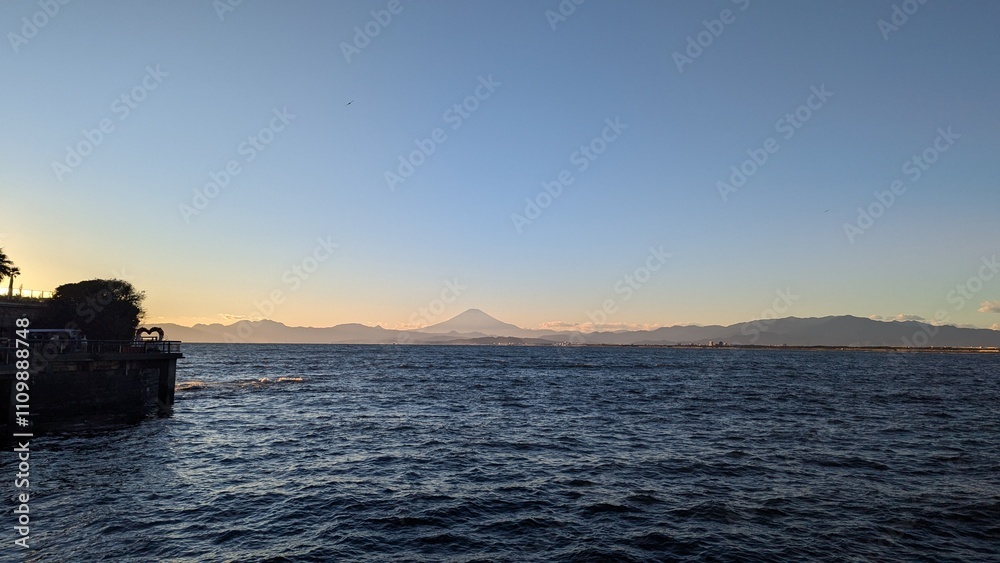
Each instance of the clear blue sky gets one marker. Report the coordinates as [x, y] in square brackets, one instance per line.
[198, 85]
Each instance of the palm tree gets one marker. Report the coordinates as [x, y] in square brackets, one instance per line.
[7, 269]
[14, 272]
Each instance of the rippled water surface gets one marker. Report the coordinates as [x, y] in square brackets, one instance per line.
[325, 453]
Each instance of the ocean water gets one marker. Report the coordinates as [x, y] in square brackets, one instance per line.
[389, 453]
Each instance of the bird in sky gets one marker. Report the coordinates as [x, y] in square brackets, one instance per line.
[349, 103]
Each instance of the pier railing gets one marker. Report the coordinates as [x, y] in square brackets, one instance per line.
[34, 294]
[134, 347]
[56, 349]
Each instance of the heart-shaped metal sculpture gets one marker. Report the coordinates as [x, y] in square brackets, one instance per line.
[157, 331]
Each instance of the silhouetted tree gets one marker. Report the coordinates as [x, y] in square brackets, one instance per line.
[7, 269]
[14, 272]
[102, 309]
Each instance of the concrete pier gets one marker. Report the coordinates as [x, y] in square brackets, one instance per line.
[105, 379]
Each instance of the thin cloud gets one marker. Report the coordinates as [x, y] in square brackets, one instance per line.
[180, 319]
[616, 327]
[405, 326]
[989, 307]
[231, 317]
[900, 317]
[559, 325]
[597, 327]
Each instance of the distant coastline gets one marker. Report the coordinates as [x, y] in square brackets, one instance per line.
[906, 349]
[736, 347]
[474, 327]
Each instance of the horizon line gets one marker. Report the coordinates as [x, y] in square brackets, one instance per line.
[574, 328]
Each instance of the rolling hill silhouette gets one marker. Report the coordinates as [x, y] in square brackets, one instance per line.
[476, 327]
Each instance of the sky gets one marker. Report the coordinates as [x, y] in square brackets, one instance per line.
[589, 164]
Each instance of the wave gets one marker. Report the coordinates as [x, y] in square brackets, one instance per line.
[199, 385]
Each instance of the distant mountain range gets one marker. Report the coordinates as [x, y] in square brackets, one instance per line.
[476, 327]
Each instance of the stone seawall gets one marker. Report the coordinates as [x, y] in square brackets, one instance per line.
[82, 385]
